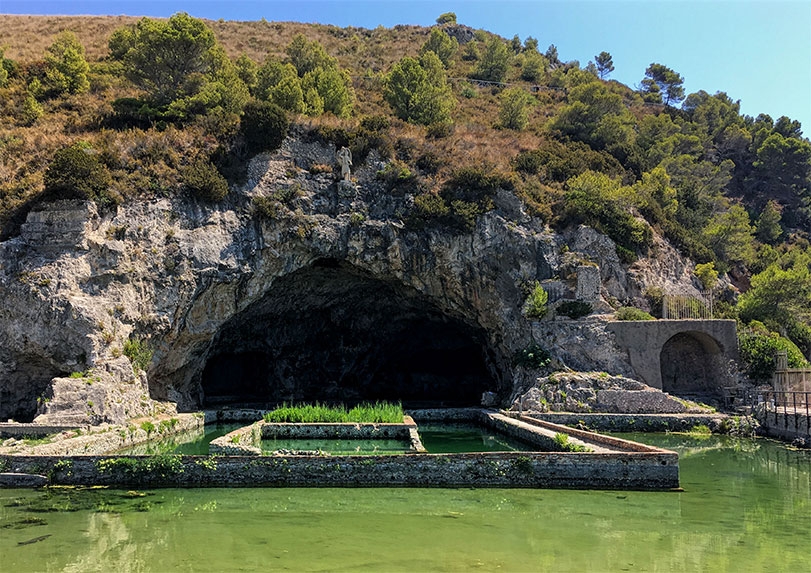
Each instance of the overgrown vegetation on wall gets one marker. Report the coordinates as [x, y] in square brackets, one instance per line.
[117, 109]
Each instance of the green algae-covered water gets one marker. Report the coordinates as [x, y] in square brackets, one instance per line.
[746, 507]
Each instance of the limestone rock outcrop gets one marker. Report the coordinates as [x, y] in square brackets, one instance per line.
[328, 294]
[598, 392]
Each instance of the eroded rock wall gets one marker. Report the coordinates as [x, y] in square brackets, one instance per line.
[195, 281]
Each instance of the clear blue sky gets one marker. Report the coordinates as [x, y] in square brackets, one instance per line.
[759, 52]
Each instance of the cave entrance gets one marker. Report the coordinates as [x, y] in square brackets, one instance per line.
[691, 365]
[24, 387]
[332, 333]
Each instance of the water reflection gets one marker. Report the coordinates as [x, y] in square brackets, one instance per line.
[746, 507]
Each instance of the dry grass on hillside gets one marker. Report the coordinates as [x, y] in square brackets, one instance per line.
[27, 37]
[148, 161]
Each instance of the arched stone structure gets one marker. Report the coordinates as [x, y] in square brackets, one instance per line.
[678, 355]
[691, 363]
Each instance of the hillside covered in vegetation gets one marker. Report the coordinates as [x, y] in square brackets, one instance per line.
[121, 109]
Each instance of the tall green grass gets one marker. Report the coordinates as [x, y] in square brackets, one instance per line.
[379, 412]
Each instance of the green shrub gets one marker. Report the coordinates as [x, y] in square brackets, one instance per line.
[535, 305]
[530, 162]
[138, 352]
[757, 349]
[533, 356]
[515, 107]
[161, 466]
[375, 122]
[477, 183]
[707, 275]
[632, 313]
[266, 207]
[439, 129]
[564, 445]
[30, 111]
[134, 112]
[574, 308]
[204, 181]
[264, 126]
[396, 174]
[430, 161]
[270, 207]
[76, 173]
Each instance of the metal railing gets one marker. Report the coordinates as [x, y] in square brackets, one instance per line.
[682, 307]
[778, 405]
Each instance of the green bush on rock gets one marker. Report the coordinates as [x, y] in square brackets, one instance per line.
[204, 181]
[264, 126]
[76, 173]
[632, 313]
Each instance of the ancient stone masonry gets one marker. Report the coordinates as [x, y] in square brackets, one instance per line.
[332, 297]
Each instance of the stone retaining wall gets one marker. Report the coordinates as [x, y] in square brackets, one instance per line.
[246, 441]
[19, 430]
[657, 470]
[244, 415]
[635, 422]
[638, 467]
[784, 425]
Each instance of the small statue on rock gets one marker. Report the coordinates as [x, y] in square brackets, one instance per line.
[344, 156]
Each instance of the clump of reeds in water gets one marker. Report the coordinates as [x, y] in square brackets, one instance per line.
[377, 413]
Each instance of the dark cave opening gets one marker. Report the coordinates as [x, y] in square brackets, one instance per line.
[691, 365]
[25, 387]
[334, 334]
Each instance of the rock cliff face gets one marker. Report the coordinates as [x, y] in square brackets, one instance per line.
[327, 296]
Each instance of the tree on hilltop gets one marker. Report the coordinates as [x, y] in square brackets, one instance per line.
[65, 66]
[494, 62]
[308, 56]
[161, 56]
[662, 85]
[604, 63]
[440, 43]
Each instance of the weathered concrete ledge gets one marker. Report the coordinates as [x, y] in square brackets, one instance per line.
[243, 441]
[246, 415]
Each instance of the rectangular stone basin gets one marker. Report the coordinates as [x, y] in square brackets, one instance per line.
[606, 463]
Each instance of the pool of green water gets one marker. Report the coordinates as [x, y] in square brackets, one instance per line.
[444, 438]
[337, 447]
[746, 506]
[193, 443]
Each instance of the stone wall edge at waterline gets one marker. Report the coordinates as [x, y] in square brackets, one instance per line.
[634, 422]
[507, 470]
